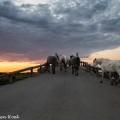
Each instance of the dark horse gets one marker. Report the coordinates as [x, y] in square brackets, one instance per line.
[51, 60]
[75, 63]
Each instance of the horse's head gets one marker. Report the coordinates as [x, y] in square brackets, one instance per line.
[71, 56]
[77, 54]
[56, 56]
[95, 62]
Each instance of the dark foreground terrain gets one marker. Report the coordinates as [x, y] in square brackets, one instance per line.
[62, 96]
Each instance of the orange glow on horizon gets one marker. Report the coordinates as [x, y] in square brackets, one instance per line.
[13, 66]
[5, 66]
[113, 54]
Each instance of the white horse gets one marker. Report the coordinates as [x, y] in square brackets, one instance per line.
[108, 66]
[63, 60]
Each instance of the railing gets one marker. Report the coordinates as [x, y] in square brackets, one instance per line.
[97, 71]
[12, 74]
[86, 66]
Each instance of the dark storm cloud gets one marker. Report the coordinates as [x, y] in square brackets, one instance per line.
[26, 13]
[7, 9]
[32, 31]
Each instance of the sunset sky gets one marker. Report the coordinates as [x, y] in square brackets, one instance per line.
[31, 30]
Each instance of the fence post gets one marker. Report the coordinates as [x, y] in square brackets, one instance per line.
[31, 72]
[81, 63]
[11, 79]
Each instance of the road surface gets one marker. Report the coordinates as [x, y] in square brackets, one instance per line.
[62, 96]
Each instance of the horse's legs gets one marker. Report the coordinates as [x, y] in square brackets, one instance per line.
[48, 67]
[61, 66]
[53, 68]
[72, 69]
[111, 78]
[118, 71]
[77, 70]
[117, 75]
[65, 66]
[117, 80]
[102, 76]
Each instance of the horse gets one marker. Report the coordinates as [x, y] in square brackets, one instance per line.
[51, 61]
[110, 66]
[75, 63]
[63, 60]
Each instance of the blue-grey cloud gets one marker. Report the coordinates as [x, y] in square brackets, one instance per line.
[66, 26]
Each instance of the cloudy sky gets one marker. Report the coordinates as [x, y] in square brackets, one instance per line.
[30, 30]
